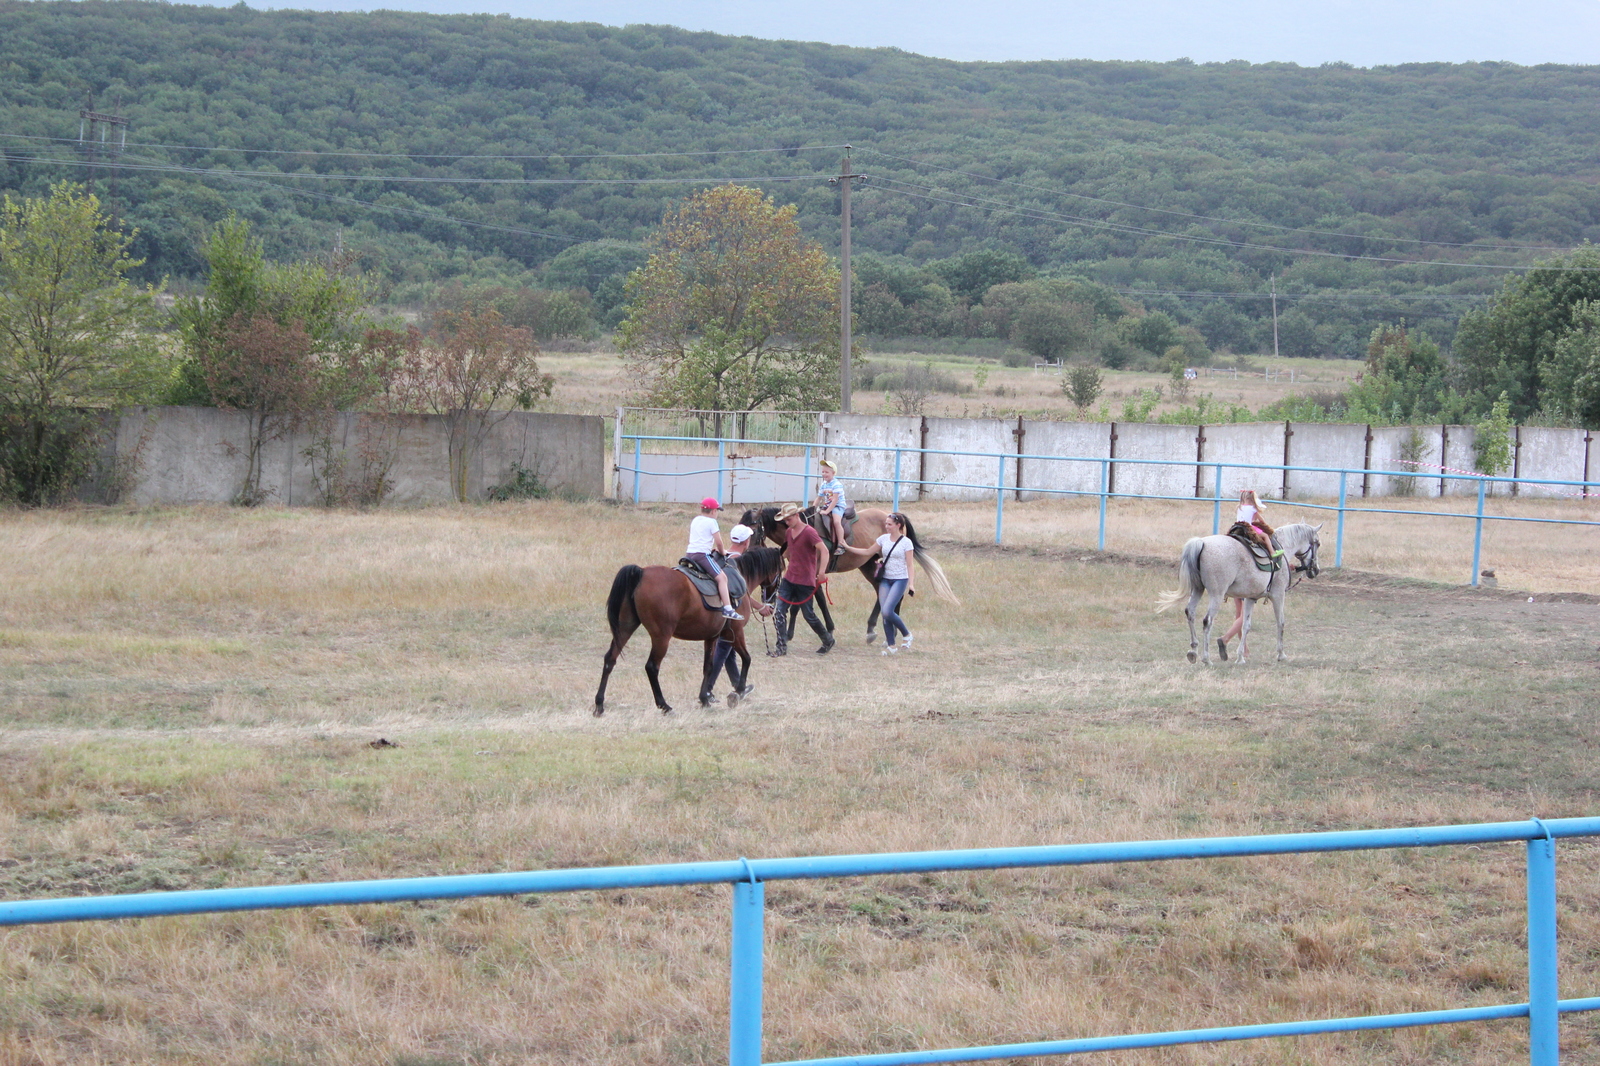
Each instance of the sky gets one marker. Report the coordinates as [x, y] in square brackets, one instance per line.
[1360, 32]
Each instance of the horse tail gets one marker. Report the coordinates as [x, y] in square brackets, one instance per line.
[1189, 580]
[622, 588]
[935, 572]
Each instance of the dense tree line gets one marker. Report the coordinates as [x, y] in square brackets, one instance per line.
[1082, 168]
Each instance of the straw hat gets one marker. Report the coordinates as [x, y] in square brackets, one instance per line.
[786, 510]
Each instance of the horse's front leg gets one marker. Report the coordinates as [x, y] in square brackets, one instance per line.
[716, 656]
[1277, 611]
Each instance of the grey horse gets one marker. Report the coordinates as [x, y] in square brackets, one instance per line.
[1223, 567]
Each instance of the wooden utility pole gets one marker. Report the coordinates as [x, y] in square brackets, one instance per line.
[1274, 316]
[845, 180]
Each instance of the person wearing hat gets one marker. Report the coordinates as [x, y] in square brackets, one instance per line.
[808, 565]
[739, 543]
[831, 502]
[705, 537]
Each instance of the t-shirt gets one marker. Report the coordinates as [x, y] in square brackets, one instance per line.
[833, 484]
[896, 555]
[702, 531]
[1246, 513]
[802, 569]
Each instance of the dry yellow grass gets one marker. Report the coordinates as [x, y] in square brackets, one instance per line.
[188, 696]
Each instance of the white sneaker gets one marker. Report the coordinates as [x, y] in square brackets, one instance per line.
[905, 643]
[889, 649]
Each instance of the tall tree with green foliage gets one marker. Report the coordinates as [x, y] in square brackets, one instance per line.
[1510, 346]
[1570, 377]
[74, 334]
[734, 310]
[281, 342]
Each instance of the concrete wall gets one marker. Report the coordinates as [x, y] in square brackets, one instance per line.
[1457, 447]
[1147, 440]
[1552, 454]
[944, 473]
[1394, 477]
[869, 474]
[1252, 443]
[1318, 444]
[200, 455]
[1066, 439]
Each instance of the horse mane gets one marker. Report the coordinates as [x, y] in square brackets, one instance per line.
[758, 563]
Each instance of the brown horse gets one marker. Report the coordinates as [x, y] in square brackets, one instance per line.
[868, 528]
[663, 601]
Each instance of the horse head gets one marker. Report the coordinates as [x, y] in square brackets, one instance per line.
[761, 566]
[765, 523]
[1305, 557]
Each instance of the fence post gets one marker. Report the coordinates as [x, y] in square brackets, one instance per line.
[805, 480]
[745, 973]
[1544, 1019]
[895, 506]
[637, 444]
[1105, 477]
[1338, 544]
[721, 451]
[616, 457]
[1000, 500]
[1216, 504]
[1477, 535]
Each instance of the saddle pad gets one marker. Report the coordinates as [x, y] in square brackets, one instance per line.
[706, 585]
[1240, 531]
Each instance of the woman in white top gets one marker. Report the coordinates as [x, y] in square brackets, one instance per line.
[896, 576]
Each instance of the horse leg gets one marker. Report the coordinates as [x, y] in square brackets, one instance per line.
[1213, 601]
[652, 668]
[619, 640]
[872, 619]
[717, 651]
[1188, 612]
[1277, 611]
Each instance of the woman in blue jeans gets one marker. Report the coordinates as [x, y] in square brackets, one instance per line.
[896, 576]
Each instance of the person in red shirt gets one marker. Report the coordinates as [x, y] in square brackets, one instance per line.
[808, 564]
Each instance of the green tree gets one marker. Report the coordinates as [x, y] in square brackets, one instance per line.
[1571, 375]
[1509, 346]
[74, 334]
[735, 310]
[280, 342]
[972, 274]
[1051, 329]
[1404, 380]
[1491, 442]
[1083, 385]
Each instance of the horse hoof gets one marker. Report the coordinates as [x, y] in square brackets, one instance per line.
[733, 700]
[1222, 649]
[598, 710]
[1192, 655]
[872, 638]
[665, 709]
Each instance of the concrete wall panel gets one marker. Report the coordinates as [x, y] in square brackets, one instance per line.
[1088, 440]
[1392, 474]
[1551, 454]
[1141, 440]
[1458, 453]
[946, 473]
[869, 474]
[1328, 446]
[1255, 444]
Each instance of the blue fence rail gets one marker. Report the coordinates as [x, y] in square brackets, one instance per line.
[1583, 489]
[749, 877]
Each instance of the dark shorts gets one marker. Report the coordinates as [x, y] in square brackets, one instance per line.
[704, 562]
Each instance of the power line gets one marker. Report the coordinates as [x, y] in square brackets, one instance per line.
[1303, 295]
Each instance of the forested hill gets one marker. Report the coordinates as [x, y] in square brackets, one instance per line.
[427, 143]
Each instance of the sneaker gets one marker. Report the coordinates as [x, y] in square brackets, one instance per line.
[905, 643]
[889, 649]
[729, 612]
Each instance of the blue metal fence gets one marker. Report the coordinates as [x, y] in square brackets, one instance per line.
[749, 877]
[1583, 489]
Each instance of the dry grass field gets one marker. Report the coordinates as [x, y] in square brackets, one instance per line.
[190, 697]
[593, 381]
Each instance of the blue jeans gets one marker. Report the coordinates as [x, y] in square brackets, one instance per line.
[890, 593]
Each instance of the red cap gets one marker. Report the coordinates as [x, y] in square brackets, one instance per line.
[710, 504]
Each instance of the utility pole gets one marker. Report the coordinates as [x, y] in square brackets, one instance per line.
[1274, 316]
[845, 180]
[88, 119]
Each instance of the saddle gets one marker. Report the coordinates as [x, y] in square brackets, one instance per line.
[823, 524]
[1267, 564]
[706, 584]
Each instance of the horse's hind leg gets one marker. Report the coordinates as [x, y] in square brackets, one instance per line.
[619, 640]
[1244, 632]
[652, 668]
[1188, 612]
[877, 609]
[1212, 603]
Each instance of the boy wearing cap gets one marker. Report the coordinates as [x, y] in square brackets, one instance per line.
[705, 537]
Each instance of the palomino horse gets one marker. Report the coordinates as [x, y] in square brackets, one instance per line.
[1223, 567]
[663, 601]
[868, 528]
